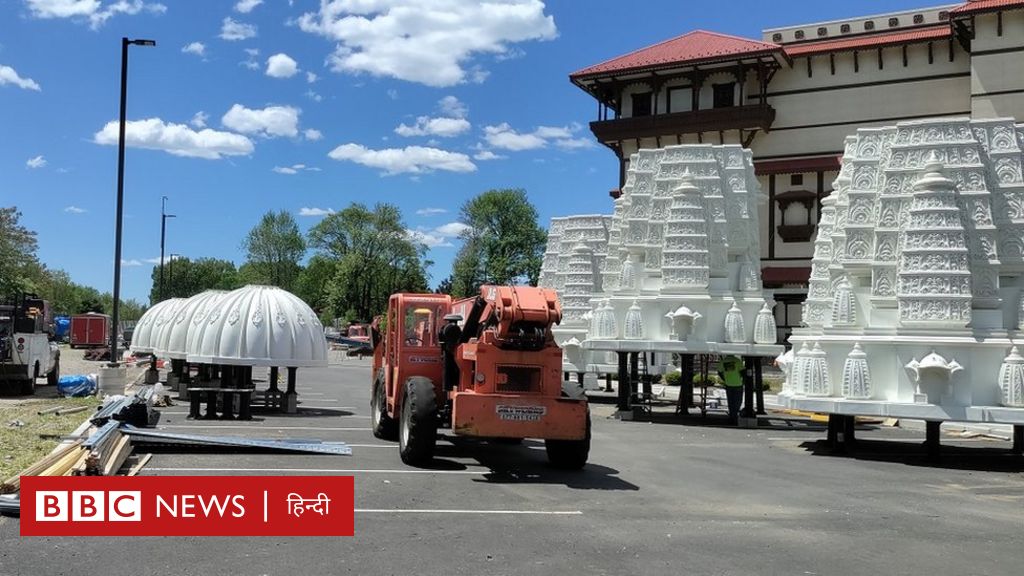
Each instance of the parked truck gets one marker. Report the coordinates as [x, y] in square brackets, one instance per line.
[27, 350]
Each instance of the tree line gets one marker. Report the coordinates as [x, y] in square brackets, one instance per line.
[359, 257]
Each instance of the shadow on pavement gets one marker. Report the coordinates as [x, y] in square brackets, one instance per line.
[912, 453]
[527, 464]
[717, 419]
[302, 412]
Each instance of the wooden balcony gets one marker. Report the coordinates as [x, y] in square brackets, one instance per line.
[756, 116]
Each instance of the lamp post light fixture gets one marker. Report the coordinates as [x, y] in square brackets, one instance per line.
[163, 237]
[114, 320]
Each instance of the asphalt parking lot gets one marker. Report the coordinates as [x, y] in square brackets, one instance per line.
[656, 498]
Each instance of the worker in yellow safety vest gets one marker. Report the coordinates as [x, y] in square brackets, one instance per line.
[731, 373]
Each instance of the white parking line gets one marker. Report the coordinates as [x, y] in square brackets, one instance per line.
[454, 511]
[323, 470]
[263, 427]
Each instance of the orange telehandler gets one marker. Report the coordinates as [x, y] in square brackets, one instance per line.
[486, 367]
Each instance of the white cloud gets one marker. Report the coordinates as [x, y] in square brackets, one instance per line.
[485, 155]
[252, 52]
[392, 93]
[426, 126]
[251, 62]
[312, 134]
[93, 11]
[132, 263]
[505, 137]
[282, 66]
[197, 48]
[75, 210]
[452, 106]
[411, 159]
[176, 139]
[199, 119]
[432, 43]
[9, 75]
[453, 229]
[269, 122]
[166, 259]
[294, 169]
[431, 211]
[313, 96]
[311, 77]
[315, 211]
[440, 237]
[246, 6]
[231, 29]
[37, 162]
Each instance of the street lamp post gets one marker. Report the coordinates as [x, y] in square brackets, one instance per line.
[163, 236]
[120, 194]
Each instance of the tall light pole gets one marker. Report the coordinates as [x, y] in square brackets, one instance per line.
[120, 194]
[163, 237]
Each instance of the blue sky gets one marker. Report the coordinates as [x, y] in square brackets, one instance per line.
[249, 106]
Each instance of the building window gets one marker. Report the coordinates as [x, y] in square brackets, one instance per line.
[642, 104]
[724, 95]
[894, 22]
[678, 99]
[918, 18]
[796, 179]
[869, 25]
[844, 29]
[777, 37]
[822, 31]
[943, 15]
[799, 34]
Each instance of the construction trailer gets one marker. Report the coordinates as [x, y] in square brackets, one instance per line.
[485, 367]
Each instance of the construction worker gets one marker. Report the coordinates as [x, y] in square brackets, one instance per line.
[731, 373]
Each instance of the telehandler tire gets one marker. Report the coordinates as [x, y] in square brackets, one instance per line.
[569, 454]
[417, 426]
[382, 425]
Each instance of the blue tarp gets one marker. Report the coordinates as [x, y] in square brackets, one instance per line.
[77, 386]
[61, 326]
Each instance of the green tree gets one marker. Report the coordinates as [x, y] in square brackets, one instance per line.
[445, 286]
[374, 257]
[18, 263]
[185, 277]
[274, 248]
[503, 243]
[314, 282]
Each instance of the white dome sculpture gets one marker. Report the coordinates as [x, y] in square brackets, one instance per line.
[173, 340]
[161, 334]
[148, 327]
[260, 326]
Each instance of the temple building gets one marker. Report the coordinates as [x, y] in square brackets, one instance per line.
[793, 97]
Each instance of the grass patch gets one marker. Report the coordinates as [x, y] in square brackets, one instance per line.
[21, 446]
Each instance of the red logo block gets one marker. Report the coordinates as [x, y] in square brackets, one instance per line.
[187, 506]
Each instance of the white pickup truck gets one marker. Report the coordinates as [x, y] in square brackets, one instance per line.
[26, 352]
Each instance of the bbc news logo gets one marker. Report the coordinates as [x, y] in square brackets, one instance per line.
[88, 506]
[187, 506]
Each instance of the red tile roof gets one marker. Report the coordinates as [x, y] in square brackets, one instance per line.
[691, 48]
[976, 6]
[940, 32]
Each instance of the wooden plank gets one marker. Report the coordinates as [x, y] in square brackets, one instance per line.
[138, 465]
[117, 457]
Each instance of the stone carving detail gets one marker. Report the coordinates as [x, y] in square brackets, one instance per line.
[800, 365]
[933, 375]
[856, 375]
[764, 326]
[815, 373]
[734, 329]
[1011, 379]
[634, 323]
[844, 305]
